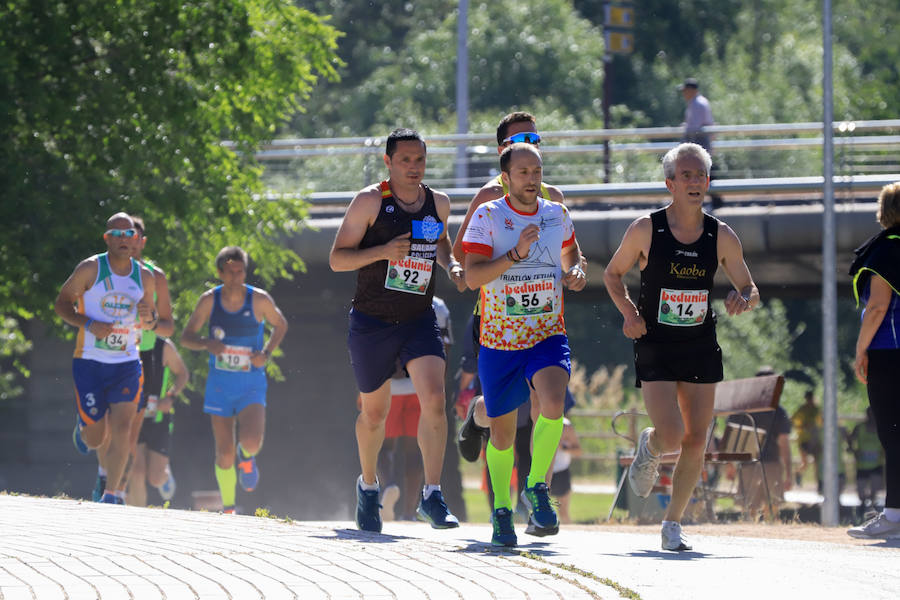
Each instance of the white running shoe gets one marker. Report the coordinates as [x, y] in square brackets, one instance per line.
[672, 537]
[167, 489]
[878, 526]
[388, 500]
[643, 472]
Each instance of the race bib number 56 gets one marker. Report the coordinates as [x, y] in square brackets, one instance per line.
[410, 275]
[683, 308]
[530, 299]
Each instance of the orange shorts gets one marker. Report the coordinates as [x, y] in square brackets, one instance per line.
[403, 418]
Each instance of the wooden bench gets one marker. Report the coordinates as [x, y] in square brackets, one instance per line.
[743, 445]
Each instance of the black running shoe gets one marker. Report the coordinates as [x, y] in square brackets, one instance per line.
[471, 437]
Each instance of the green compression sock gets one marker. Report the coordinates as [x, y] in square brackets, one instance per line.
[227, 480]
[500, 468]
[547, 433]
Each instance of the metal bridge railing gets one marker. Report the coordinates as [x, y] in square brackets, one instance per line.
[576, 157]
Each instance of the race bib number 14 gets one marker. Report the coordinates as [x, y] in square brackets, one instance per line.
[410, 275]
[683, 308]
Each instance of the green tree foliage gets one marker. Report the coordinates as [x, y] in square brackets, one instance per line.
[767, 336]
[113, 106]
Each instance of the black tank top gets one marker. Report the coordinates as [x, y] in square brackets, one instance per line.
[676, 283]
[153, 368]
[404, 291]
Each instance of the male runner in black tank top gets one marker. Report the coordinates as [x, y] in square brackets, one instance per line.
[677, 359]
[394, 233]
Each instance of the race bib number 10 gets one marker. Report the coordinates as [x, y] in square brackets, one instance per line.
[683, 308]
[234, 358]
[410, 275]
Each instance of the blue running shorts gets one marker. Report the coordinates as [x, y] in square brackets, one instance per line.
[506, 374]
[227, 394]
[98, 384]
[375, 346]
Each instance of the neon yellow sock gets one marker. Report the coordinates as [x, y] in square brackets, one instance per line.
[547, 433]
[227, 480]
[500, 468]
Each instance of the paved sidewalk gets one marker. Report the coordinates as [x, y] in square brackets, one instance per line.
[69, 549]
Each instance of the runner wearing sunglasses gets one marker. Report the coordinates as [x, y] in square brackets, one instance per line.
[109, 297]
[516, 127]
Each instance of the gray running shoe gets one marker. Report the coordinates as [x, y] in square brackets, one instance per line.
[877, 527]
[388, 500]
[643, 473]
[672, 537]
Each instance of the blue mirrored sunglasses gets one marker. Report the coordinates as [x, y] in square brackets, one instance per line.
[129, 233]
[526, 137]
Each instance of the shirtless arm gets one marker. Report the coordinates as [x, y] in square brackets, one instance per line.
[445, 254]
[165, 325]
[73, 288]
[745, 295]
[264, 306]
[635, 247]
[346, 254]
[146, 306]
[173, 361]
[191, 338]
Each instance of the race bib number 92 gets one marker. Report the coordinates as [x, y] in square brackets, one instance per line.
[410, 275]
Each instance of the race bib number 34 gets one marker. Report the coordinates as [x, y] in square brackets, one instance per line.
[234, 358]
[117, 341]
[683, 308]
[410, 275]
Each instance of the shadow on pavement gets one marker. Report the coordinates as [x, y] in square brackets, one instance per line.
[362, 536]
[679, 556]
[537, 548]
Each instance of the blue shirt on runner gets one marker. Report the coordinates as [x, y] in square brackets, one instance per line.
[241, 333]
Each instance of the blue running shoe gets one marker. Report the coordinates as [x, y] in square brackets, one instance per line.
[368, 508]
[248, 474]
[76, 438]
[111, 499]
[99, 488]
[504, 533]
[543, 519]
[434, 510]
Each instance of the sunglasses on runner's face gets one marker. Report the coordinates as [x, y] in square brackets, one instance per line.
[526, 137]
[128, 233]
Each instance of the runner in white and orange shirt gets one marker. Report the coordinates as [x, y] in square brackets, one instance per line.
[521, 251]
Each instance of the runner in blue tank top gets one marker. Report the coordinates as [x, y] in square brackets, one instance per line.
[394, 233]
[236, 384]
[109, 297]
[677, 359]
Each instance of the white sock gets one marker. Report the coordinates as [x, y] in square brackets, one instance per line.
[368, 486]
[664, 523]
[428, 489]
[101, 471]
[892, 514]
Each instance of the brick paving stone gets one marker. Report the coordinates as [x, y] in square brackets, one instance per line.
[68, 549]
